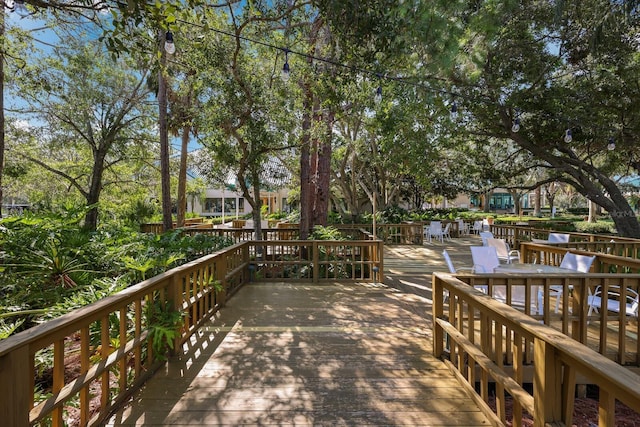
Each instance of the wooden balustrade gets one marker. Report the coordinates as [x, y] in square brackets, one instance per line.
[111, 337]
[484, 341]
[319, 260]
[552, 255]
[515, 235]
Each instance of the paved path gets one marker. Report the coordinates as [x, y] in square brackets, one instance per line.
[301, 355]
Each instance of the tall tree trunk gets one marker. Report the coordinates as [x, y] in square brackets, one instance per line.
[305, 173]
[2, 124]
[537, 202]
[257, 201]
[592, 211]
[95, 188]
[487, 201]
[182, 178]
[323, 174]
[167, 221]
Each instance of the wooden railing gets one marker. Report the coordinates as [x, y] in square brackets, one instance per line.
[540, 292]
[112, 338]
[515, 235]
[484, 341]
[319, 260]
[553, 254]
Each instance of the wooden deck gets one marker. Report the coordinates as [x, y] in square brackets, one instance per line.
[298, 354]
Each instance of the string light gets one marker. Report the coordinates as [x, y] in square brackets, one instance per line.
[19, 7]
[568, 136]
[169, 46]
[611, 145]
[516, 123]
[285, 68]
[378, 96]
[314, 57]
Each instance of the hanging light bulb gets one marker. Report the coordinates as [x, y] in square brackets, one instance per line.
[20, 8]
[568, 136]
[378, 97]
[516, 125]
[169, 46]
[611, 145]
[285, 68]
[454, 110]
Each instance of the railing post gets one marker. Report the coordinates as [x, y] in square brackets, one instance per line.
[438, 313]
[316, 262]
[175, 300]
[380, 259]
[14, 380]
[547, 384]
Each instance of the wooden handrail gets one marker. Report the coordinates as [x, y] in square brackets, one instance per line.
[507, 335]
[197, 289]
[604, 262]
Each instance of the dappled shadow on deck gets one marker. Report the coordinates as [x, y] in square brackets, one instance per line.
[409, 267]
[299, 354]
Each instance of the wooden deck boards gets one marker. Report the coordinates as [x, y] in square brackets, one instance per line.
[298, 354]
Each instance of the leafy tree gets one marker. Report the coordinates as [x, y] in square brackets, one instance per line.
[559, 69]
[84, 106]
[239, 126]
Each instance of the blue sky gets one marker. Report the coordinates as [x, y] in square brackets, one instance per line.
[45, 38]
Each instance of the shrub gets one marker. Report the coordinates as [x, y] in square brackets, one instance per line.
[595, 227]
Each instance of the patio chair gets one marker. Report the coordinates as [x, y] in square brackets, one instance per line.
[446, 233]
[452, 268]
[484, 235]
[614, 300]
[463, 228]
[580, 263]
[485, 259]
[571, 261]
[505, 253]
[558, 238]
[435, 231]
[477, 227]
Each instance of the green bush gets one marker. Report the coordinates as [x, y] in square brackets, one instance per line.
[600, 227]
[48, 261]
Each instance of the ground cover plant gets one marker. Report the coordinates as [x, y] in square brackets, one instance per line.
[51, 265]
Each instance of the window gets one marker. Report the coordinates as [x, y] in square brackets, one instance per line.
[213, 205]
[229, 205]
[241, 205]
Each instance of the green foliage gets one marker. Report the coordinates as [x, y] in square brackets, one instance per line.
[394, 215]
[600, 227]
[326, 233]
[163, 323]
[50, 265]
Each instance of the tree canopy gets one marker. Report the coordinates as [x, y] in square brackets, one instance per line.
[555, 68]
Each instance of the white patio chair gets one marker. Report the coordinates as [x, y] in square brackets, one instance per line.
[558, 238]
[484, 235]
[435, 231]
[463, 228]
[505, 253]
[452, 268]
[446, 233]
[580, 263]
[485, 259]
[571, 261]
[613, 301]
[477, 227]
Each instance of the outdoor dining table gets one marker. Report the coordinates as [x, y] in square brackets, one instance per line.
[531, 269]
[536, 291]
